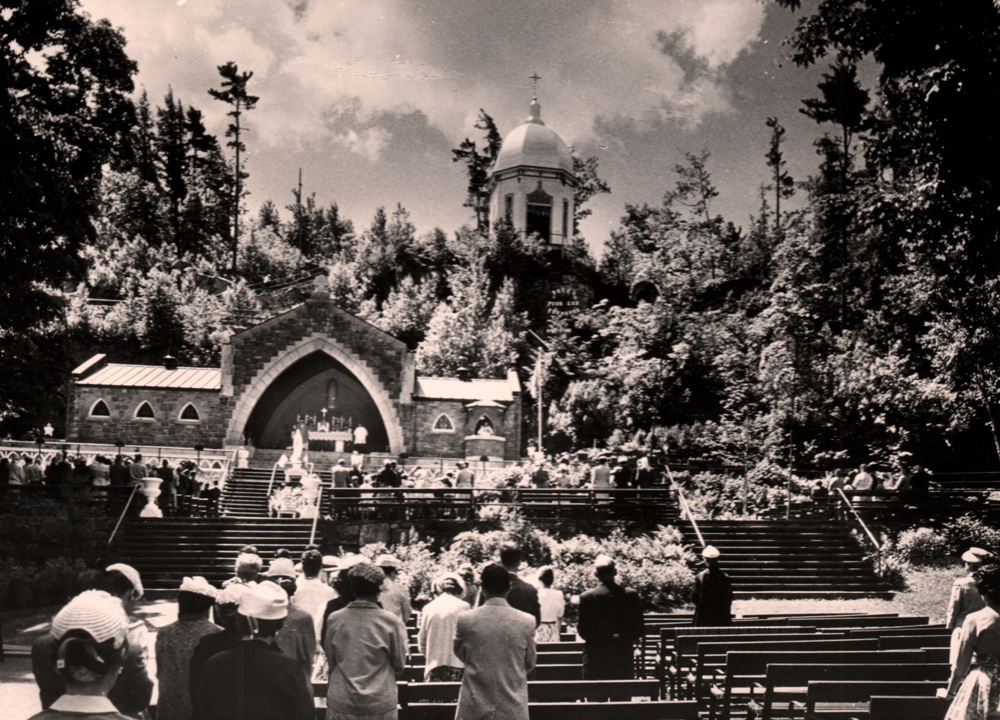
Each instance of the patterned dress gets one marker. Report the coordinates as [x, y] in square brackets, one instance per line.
[978, 698]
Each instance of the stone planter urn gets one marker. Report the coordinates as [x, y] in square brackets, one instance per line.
[310, 494]
[151, 489]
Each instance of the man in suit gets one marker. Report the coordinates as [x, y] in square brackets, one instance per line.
[523, 596]
[713, 593]
[610, 624]
[497, 645]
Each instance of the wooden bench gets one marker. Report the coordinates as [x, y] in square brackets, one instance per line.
[574, 671]
[680, 659]
[789, 683]
[888, 707]
[904, 642]
[863, 622]
[658, 710]
[829, 698]
[906, 630]
[542, 691]
[711, 656]
[744, 668]
[541, 658]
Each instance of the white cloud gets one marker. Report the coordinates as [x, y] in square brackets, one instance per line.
[354, 62]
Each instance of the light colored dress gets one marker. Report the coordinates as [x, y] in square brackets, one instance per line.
[977, 686]
[553, 606]
[965, 600]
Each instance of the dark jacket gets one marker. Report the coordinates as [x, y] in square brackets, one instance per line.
[524, 597]
[610, 624]
[253, 681]
[713, 598]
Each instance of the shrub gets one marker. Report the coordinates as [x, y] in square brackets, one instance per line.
[922, 546]
[968, 531]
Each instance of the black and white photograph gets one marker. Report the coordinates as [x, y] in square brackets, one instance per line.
[444, 360]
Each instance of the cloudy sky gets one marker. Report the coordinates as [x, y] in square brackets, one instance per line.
[368, 97]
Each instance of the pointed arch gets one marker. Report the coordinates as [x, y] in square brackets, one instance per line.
[189, 413]
[100, 410]
[443, 424]
[360, 369]
[145, 411]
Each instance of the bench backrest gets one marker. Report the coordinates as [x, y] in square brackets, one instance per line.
[687, 645]
[864, 621]
[834, 645]
[906, 630]
[742, 662]
[837, 691]
[900, 642]
[888, 707]
[543, 691]
[660, 710]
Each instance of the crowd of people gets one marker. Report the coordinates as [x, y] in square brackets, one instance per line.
[75, 476]
[254, 647]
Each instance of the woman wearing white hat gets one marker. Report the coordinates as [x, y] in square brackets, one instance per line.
[175, 646]
[91, 642]
[965, 599]
[436, 635]
[252, 681]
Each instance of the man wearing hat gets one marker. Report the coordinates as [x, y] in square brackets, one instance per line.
[175, 646]
[254, 681]
[965, 598]
[394, 597]
[610, 624]
[713, 593]
[436, 635]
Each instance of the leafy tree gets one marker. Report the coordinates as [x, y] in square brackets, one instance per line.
[66, 78]
[234, 93]
[589, 184]
[478, 163]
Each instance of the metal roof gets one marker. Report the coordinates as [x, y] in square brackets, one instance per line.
[455, 389]
[155, 376]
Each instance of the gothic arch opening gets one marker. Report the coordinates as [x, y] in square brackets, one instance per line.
[306, 387]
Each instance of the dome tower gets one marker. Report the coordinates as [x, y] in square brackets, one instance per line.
[532, 181]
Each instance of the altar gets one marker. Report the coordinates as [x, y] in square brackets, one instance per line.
[336, 437]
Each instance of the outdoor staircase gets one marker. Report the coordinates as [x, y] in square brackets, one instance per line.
[790, 559]
[245, 494]
[165, 550]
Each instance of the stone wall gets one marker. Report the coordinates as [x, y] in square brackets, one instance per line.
[166, 428]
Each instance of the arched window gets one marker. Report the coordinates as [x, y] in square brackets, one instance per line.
[190, 413]
[100, 410]
[443, 424]
[145, 412]
[538, 219]
[484, 427]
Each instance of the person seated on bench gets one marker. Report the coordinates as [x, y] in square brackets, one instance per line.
[976, 691]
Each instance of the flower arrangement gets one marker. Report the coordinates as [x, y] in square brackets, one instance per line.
[287, 499]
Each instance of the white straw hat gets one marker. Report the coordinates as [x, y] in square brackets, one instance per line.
[199, 585]
[95, 612]
[131, 573]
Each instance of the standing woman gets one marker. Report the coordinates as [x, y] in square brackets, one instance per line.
[965, 599]
[553, 605]
[976, 687]
[90, 634]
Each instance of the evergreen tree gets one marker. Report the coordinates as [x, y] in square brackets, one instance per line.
[478, 163]
[234, 93]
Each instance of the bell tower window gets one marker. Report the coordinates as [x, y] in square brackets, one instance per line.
[538, 219]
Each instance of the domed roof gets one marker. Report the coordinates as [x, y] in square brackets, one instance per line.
[534, 144]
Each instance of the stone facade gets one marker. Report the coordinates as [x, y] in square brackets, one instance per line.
[256, 359]
[165, 428]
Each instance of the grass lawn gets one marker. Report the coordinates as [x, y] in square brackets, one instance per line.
[927, 593]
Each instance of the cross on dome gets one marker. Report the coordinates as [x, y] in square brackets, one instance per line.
[535, 110]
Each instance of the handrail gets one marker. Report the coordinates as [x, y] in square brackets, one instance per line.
[274, 472]
[685, 508]
[686, 512]
[871, 537]
[319, 507]
[121, 517]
